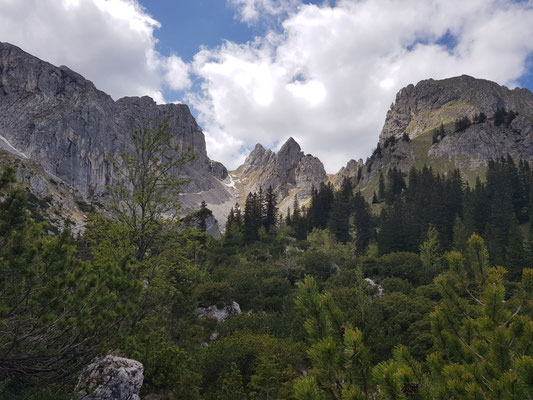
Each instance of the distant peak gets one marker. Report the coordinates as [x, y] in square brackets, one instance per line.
[290, 146]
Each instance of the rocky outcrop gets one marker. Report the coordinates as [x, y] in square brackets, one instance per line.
[110, 378]
[290, 172]
[57, 118]
[220, 314]
[406, 138]
[350, 170]
[432, 102]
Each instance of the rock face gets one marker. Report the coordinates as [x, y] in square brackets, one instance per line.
[59, 119]
[431, 102]
[406, 138]
[289, 171]
[110, 378]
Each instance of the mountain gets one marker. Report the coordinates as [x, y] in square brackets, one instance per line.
[58, 119]
[407, 138]
[62, 132]
[290, 172]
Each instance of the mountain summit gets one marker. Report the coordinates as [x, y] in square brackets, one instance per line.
[289, 171]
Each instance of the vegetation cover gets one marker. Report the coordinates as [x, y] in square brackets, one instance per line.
[429, 298]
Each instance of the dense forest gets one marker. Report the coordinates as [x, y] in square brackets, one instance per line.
[422, 293]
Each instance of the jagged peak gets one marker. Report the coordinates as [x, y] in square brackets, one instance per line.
[290, 146]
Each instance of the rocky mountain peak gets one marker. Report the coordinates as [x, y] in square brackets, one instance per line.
[431, 102]
[290, 146]
[289, 154]
[289, 172]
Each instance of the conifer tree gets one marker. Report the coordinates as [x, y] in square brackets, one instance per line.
[341, 368]
[271, 210]
[363, 223]
[252, 218]
[430, 253]
[230, 385]
[381, 187]
[339, 215]
[482, 337]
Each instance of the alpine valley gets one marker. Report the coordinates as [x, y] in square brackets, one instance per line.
[403, 276]
[62, 133]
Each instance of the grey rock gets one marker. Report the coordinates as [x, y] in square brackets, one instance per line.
[110, 378]
[290, 173]
[377, 286]
[350, 171]
[415, 108]
[54, 116]
[219, 314]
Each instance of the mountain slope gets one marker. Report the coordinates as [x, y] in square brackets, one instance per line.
[406, 139]
[59, 119]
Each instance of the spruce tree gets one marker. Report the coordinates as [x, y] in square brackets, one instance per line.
[339, 215]
[271, 210]
[230, 384]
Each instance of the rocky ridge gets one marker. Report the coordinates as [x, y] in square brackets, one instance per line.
[406, 138]
[61, 132]
[289, 172]
[57, 118]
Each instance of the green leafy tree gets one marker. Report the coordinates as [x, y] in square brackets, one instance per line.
[145, 200]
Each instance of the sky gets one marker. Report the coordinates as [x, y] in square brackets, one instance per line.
[259, 71]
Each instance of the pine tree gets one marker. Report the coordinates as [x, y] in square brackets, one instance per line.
[482, 337]
[340, 360]
[339, 215]
[230, 385]
[203, 214]
[363, 223]
[430, 253]
[252, 219]
[271, 211]
[381, 187]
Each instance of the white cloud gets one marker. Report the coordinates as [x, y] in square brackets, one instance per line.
[110, 42]
[325, 75]
[252, 11]
[177, 75]
[329, 76]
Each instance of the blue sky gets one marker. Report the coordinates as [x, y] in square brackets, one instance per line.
[187, 25]
[260, 71]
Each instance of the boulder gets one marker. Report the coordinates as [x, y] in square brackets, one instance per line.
[110, 378]
[220, 314]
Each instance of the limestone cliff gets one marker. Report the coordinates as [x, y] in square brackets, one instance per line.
[406, 139]
[57, 118]
[290, 172]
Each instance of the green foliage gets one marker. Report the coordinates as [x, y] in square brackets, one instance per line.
[56, 311]
[230, 384]
[340, 359]
[167, 369]
[210, 293]
[430, 252]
